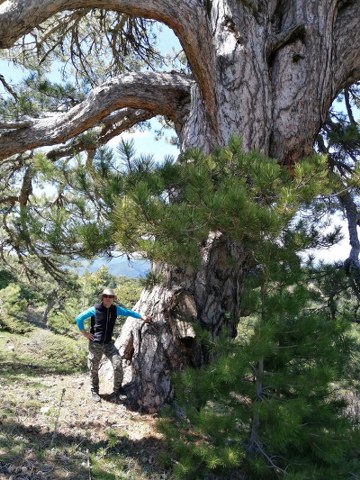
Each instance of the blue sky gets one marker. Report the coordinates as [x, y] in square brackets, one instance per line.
[145, 142]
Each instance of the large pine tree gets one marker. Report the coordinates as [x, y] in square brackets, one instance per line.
[266, 70]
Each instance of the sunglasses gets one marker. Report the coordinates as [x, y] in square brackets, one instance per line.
[108, 296]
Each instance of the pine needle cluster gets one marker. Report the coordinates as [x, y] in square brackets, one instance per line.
[167, 211]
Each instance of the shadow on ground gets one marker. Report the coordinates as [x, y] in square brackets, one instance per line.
[30, 453]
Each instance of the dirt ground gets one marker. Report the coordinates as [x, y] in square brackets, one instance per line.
[51, 429]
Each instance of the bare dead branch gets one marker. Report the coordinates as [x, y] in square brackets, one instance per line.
[348, 107]
[9, 200]
[26, 188]
[122, 122]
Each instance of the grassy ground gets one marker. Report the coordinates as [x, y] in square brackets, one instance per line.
[49, 427]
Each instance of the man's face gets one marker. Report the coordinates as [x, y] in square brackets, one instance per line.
[107, 300]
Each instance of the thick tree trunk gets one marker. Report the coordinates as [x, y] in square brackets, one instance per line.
[184, 301]
[272, 86]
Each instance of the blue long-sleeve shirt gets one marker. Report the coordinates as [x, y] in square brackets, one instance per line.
[90, 312]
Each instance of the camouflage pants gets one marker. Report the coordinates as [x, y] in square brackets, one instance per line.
[96, 351]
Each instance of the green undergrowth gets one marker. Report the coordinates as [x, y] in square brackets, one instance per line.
[39, 351]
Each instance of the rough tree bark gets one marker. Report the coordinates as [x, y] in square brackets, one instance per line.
[267, 70]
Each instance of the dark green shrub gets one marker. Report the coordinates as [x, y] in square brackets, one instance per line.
[13, 310]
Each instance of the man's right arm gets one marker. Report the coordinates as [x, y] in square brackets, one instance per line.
[80, 322]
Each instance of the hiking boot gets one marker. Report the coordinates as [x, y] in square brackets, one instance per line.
[95, 396]
[118, 395]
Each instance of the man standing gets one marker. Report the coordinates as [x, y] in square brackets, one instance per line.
[103, 316]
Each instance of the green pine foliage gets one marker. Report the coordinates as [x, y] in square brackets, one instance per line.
[128, 291]
[13, 308]
[68, 217]
[6, 277]
[35, 94]
[167, 212]
[61, 319]
[270, 403]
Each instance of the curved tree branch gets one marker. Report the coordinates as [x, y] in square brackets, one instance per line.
[8, 87]
[348, 107]
[163, 94]
[347, 45]
[19, 17]
[120, 122]
[187, 18]
[113, 125]
[26, 188]
[15, 125]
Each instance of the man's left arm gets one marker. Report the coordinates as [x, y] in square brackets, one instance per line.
[130, 313]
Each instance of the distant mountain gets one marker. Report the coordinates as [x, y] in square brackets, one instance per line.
[119, 266]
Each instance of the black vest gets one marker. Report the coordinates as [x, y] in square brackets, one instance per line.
[102, 324]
